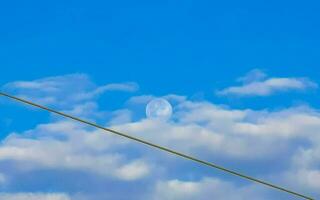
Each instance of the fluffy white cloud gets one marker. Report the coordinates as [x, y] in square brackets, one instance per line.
[33, 196]
[304, 171]
[219, 131]
[66, 145]
[205, 189]
[133, 170]
[255, 85]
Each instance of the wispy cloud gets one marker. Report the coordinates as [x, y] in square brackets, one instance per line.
[65, 90]
[255, 83]
[143, 99]
[123, 87]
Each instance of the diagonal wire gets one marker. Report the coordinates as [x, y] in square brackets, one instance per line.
[188, 157]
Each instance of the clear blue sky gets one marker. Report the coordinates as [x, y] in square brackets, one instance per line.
[160, 44]
[197, 49]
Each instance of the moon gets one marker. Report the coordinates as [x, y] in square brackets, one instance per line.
[159, 109]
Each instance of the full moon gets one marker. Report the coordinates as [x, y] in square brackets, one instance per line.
[159, 108]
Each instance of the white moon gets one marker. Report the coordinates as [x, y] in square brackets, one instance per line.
[159, 108]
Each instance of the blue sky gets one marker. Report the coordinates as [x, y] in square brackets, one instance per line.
[242, 78]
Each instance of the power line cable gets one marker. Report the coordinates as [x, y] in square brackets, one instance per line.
[188, 157]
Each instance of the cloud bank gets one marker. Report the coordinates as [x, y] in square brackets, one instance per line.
[104, 166]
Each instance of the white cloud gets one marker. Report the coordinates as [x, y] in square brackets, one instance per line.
[205, 189]
[78, 149]
[290, 123]
[33, 196]
[51, 90]
[255, 85]
[219, 131]
[133, 170]
[64, 90]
